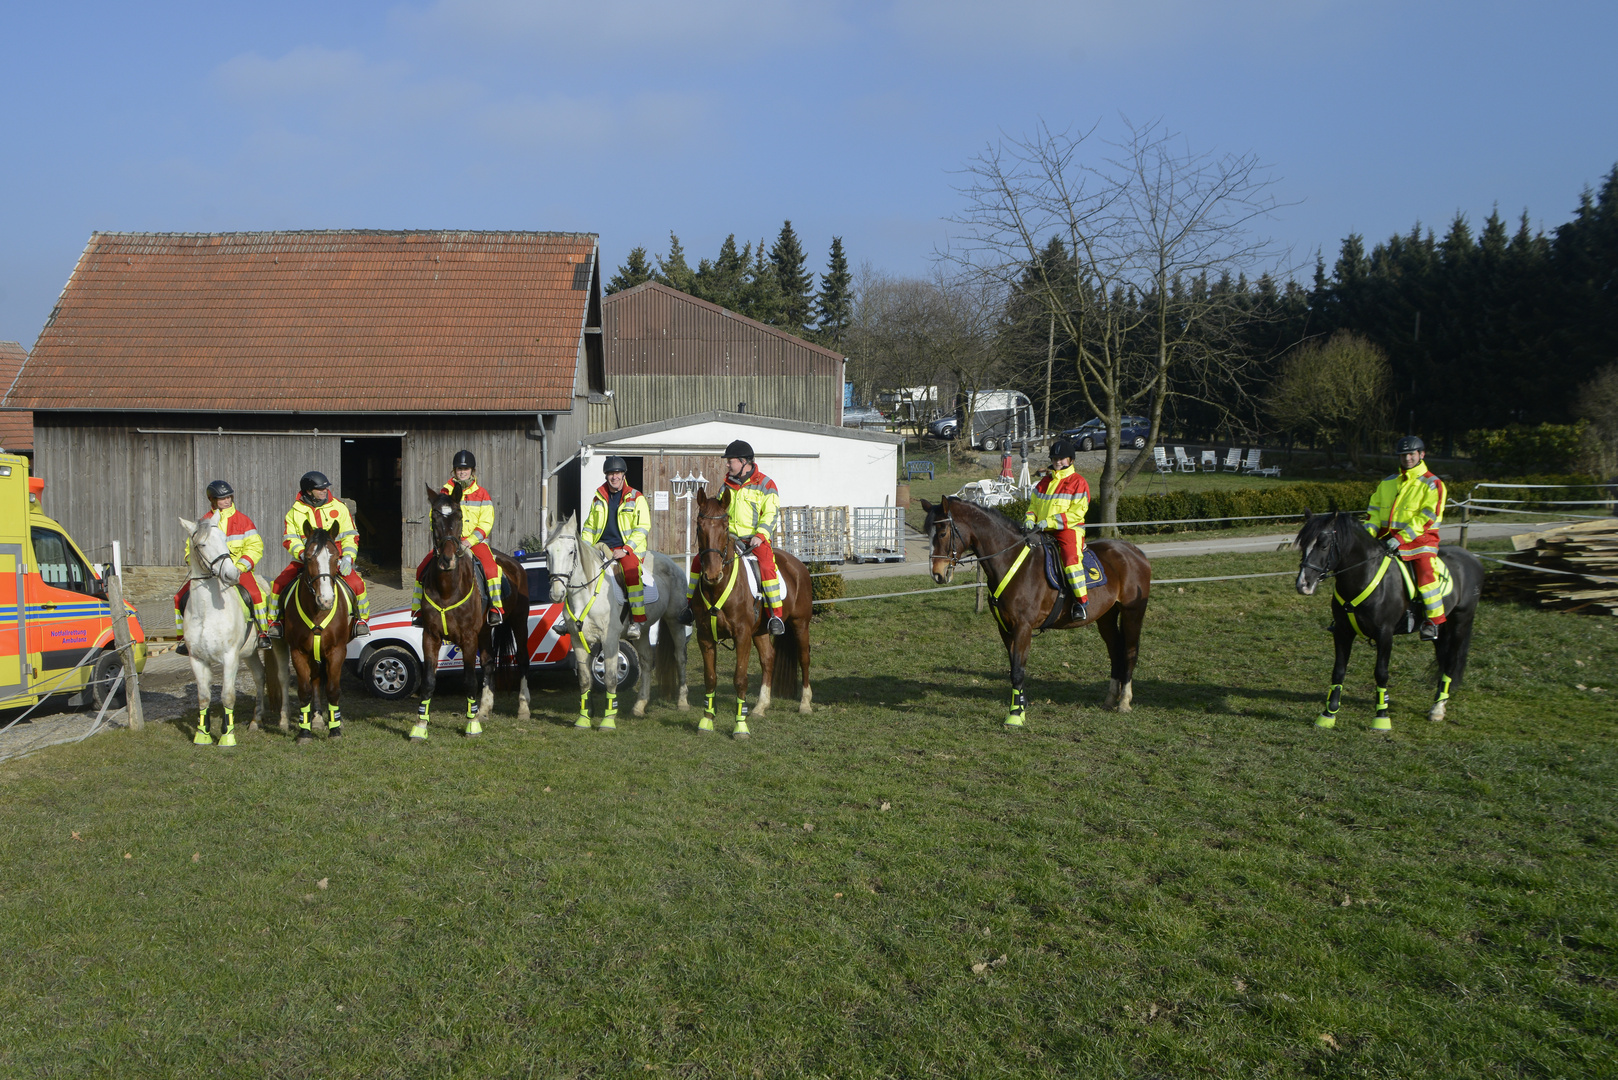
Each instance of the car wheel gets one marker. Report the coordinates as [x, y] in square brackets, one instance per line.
[989, 444]
[391, 672]
[628, 668]
[1086, 444]
[1139, 443]
[104, 676]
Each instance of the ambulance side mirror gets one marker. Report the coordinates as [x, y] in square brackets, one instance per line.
[98, 586]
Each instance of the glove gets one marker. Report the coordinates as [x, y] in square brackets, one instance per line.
[243, 565]
[345, 565]
[753, 542]
[1392, 544]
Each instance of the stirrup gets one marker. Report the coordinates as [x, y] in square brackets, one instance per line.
[274, 631]
[1429, 630]
[182, 649]
[1081, 608]
[264, 641]
[687, 617]
[776, 626]
[633, 633]
[359, 629]
[496, 617]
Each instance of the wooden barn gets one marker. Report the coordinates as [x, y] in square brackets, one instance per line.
[16, 425]
[172, 360]
[669, 355]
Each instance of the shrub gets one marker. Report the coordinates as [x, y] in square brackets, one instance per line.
[1519, 448]
[830, 587]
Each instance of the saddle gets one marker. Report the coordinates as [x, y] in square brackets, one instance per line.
[750, 563]
[1415, 610]
[1094, 573]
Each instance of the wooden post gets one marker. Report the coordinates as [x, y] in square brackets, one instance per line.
[1466, 520]
[981, 604]
[120, 636]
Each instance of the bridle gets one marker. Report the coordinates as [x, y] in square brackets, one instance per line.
[1329, 568]
[958, 547]
[213, 564]
[726, 554]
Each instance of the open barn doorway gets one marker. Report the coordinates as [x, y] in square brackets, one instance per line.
[372, 472]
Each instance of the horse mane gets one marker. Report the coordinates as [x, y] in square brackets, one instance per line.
[1318, 526]
[989, 518]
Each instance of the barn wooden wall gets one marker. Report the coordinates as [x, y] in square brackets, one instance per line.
[508, 465]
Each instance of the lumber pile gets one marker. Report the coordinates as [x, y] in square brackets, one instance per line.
[1588, 549]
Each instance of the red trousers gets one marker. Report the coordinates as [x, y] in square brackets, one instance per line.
[1067, 542]
[294, 568]
[631, 565]
[484, 556]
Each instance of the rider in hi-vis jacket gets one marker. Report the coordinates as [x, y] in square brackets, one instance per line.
[1405, 512]
[1058, 505]
[246, 547]
[621, 518]
[316, 507]
[477, 525]
[754, 507]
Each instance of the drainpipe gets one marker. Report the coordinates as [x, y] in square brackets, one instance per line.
[545, 483]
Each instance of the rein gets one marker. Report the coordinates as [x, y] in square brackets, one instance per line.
[728, 556]
[593, 584]
[331, 613]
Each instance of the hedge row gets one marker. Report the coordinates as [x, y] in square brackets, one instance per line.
[1213, 509]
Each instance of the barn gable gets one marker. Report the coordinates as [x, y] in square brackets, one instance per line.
[16, 425]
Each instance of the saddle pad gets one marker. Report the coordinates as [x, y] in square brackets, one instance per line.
[1446, 582]
[751, 563]
[1094, 573]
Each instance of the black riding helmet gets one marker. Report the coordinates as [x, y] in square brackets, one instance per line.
[219, 489]
[739, 449]
[614, 464]
[464, 460]
[1063, 448]
[1410, 443]
[314, 481]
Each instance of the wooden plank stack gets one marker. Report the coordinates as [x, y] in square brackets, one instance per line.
[1587, 548]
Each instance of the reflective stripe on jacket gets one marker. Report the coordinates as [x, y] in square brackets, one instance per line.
[634, 519]
[477, 511]
[754, 505]
[1409, 504]
[241, 536]
[320, 517]
[1059, 501]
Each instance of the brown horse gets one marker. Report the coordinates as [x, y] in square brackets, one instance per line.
[1023, 601]
[316, 611]
[725, 608]
[453, 609]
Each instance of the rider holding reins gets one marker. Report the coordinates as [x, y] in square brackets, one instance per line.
[1057, 506]
[621, 518]
[477, 524]
[316, 507]
[246, 548]
[754, 506]
[1405, 512]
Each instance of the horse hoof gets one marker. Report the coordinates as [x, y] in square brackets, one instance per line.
[1324, 721]
[705, 724]
[202, 738]
[608, 724]
[305, 736]
[1382, 723]
[473, 728]
[418, 733]
[228, 739]
[582, 724]
[334, 732]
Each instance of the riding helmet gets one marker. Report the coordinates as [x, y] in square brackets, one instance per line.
[739, 449]
[1408, 444]
[314, 481]
[615, 464]
[464, 460]
[1063, 448]
[219, 489]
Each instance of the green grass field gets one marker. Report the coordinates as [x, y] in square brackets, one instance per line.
[891, 887]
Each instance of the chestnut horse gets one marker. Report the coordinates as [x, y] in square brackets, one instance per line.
[453, 610]
[1023, 601]
[316, 611]
[725, 607]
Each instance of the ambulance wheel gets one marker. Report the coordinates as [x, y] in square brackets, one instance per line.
[628, 668]
[390, 672]
[104, 676]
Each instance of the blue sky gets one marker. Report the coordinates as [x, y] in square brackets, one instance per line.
[630, 118]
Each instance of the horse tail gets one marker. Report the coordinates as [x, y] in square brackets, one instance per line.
[665, 661]
[785, 677]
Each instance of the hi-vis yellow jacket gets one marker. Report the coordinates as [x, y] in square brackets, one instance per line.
[241, 537]
[1410, 505]
[634, 519]
[477, 511]
[321, 517]
[1059, 501]
[754, 505]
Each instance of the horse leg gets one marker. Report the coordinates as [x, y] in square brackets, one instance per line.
[470, 653]
[204, 676]
[643, 689]
[255, 664]
[672, 627]
[519, 640]
[744, 654]
[1107, 626]
[611, 646]
[1133, 617]
[279, 655]
[303, 667]
[581, 664]
[485, 698]
[431, 642]
[710, 679]
[1384, 653]
[334, 692]
[1017, 648]
[808, 695]
[1343, 639]
[230, 665]
[765, 644]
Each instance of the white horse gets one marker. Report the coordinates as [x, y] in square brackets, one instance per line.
[593, 603]
[218, 630]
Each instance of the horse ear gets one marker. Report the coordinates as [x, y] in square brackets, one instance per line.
[188, 525]
[1308, 516]
[458, 491]
[927, 506]
[308, 529]
[1331, 505]
[431, 492]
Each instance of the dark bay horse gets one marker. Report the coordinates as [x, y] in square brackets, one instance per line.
[315, 616]
[1023, 601]
[453, 609]
[1369, 599]
[726, 608]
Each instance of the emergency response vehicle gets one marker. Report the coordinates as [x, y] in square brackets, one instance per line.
[389, 661]
[55, 619]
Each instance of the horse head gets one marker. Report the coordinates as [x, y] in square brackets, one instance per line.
[320, 557]
[562, 557]
[713, 535]
[947, 543]
[1318, 540]
[445, 517]
[210, 554]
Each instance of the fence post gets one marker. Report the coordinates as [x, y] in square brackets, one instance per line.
[121, 638]
[1466, 520]
[981, 603]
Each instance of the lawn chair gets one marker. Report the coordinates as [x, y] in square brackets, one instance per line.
[1210, 461]
[1233, 460]
[1251, 465]
[1182, 460]
[914, 469]
[1160, 458]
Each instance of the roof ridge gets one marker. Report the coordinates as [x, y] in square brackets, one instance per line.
[354, 232]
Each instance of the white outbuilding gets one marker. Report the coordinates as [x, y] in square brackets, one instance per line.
[836, 484]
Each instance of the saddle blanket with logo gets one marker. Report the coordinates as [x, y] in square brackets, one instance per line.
[1094, 573]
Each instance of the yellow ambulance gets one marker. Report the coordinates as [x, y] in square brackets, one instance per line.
[55, 619]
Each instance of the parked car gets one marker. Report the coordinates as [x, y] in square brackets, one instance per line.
[389, 661]
[863, 416]
[1093, 433]
[944, 427]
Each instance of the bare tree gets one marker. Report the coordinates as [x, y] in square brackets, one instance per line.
[1336, 389]
[1146, 230]
[1598, 403]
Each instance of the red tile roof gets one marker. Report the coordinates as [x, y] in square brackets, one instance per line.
[16, 426]
[347, 321]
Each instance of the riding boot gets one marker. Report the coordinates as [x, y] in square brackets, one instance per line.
[496, 616]
[777, 627]
[359, 629]
[264, 641]
[182, 649]
[273, 631]
[633, 633]
[688, 617]
[1081, 609]
[1429, 630]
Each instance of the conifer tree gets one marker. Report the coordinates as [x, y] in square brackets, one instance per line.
[634, 271]
[761, 294]
[834, 306]
[673, 270]
[792, 276]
